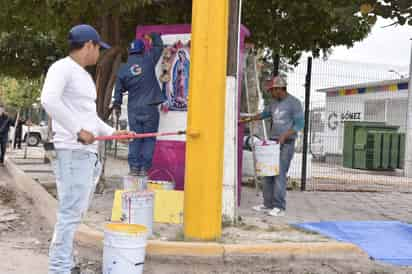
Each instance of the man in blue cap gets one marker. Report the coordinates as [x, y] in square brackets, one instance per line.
[138, 78]
[68, 96]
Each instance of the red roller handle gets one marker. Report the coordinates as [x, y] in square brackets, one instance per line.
[137, 135]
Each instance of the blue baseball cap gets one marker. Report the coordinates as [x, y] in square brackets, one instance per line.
[136, 46]
[84, 33]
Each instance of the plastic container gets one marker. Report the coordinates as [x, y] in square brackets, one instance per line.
[137, 208]
[124, 248]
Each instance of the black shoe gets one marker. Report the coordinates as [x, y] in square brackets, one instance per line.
[76, 270]
[134, 172]
[142, 172]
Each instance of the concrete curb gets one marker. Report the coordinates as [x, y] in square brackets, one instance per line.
[88, 237]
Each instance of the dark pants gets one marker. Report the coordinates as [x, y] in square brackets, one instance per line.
[143, 120]
[17, 141]
[3, 145]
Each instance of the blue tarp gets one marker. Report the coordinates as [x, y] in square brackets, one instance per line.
[386, 241]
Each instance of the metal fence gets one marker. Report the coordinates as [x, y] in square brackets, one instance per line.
[356, 137]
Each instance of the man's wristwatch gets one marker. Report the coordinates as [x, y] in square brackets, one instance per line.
[80, 140]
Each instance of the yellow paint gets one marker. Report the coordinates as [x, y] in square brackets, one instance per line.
[168, 206]
[126, 228]
[393, 88]
[165, 185]
[153, 186]
[342, 92]
[117, 206]
[206, 112]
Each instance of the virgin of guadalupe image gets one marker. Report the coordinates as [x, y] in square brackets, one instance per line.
[181, 80]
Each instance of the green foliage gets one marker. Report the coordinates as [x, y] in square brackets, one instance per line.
[400, 11]
[292, 27]
[27, 53]
[19, 93]
[34, 33]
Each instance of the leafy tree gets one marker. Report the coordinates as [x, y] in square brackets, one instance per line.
[400, 11]
[21, 93]
[289, 28]
[33, 34]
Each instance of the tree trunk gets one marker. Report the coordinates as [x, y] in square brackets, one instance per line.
[106, 77]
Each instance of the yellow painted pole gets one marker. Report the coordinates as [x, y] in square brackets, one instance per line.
[205, 125]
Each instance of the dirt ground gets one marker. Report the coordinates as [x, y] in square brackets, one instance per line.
[23, 239]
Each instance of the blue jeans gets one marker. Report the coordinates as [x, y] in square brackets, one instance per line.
[76, 177]
[145, 120]
[274, 187]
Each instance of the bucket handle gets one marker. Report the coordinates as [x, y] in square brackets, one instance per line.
[156, 171]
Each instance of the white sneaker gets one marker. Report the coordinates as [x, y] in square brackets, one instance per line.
[277, 212]
[261, 208]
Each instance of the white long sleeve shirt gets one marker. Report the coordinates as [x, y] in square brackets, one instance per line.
[69, 96]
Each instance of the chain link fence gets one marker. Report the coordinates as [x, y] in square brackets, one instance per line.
[356, 139]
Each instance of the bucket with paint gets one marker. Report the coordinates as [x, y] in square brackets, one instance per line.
[161, 184]
[124, 248]
[267, 158]
[138, 183]
[137, 208]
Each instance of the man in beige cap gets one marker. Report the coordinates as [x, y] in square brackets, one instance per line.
[287, 117]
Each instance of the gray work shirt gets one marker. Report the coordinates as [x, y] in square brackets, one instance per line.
[284, 114]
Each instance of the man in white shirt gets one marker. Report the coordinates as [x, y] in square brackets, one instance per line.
[68, 96]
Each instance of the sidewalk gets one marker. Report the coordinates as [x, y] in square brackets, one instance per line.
[256, 233]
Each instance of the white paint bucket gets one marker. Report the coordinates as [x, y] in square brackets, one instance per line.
[267, 158]
[124, 248]
[138, 183]
[137, 208]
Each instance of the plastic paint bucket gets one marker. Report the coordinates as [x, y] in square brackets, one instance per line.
[124, 248]
[137, 208]
[267, 158]
[138, 183]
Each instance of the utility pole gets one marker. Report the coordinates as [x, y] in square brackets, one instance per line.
[230, 174]
[408, 152]
[205, 122]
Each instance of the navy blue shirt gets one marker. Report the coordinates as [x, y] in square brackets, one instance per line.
[5, 124]
[138, 78]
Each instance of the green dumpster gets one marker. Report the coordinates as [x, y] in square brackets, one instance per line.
[368, 145]
[401, 154]
[386, 149]
[394, 151]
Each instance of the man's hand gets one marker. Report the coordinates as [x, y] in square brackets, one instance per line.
[122, 132]
[282, 139]
[245, 120]
[85, 137]
[249, 119]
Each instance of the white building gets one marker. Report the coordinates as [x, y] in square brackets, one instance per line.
[383, 101]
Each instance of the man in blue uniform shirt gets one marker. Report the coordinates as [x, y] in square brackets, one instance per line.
[138, 78]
